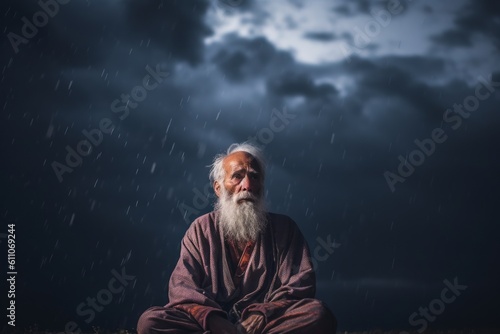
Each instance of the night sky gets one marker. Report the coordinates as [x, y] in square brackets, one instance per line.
[379, 121]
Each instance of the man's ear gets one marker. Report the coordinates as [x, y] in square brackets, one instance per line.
[217, 188]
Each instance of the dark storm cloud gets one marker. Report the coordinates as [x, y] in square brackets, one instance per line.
[423, 67]
[298, 84]
[71, 40]
[320, 36]
[384, 79]
[254, 14]
[351, 8]
[178, 28]
[245, 59]
[453, 38]
[233, 6]
[477, 19]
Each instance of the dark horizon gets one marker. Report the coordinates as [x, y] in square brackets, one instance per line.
[378, 120]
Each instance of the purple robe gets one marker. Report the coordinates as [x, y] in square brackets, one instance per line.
[279, 276]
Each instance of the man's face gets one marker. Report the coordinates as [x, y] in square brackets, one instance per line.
[240, 203]
[242, 173]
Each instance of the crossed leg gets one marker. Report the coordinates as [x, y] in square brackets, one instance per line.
[307, 316]
[158, 319]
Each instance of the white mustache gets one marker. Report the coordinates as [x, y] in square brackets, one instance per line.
[244, 196]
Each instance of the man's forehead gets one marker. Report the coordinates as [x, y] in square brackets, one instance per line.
[240, 159]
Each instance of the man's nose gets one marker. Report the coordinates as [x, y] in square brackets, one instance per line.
[247, 184]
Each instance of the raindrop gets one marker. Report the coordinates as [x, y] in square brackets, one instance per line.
[50, 131]
[168, 127]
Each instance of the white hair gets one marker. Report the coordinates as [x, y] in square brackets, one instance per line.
[217, 171]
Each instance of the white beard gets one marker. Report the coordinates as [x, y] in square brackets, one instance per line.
[241, 221]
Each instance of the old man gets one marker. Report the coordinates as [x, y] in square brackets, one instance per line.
[241, 268]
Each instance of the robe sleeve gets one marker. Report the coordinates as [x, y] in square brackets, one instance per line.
[295, 279]
[188, 287]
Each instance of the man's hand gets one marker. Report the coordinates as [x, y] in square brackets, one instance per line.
[220, 325]
[253, 324]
